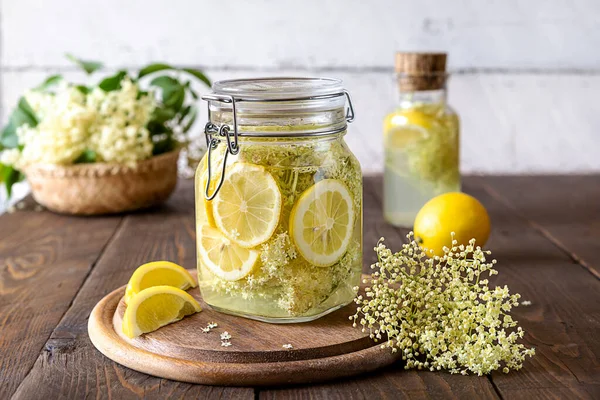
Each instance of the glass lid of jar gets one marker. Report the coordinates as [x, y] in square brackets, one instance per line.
[277, 89]
[252, 107]
[271, 96]
[277, 107]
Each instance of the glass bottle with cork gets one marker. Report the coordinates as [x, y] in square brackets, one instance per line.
[421, 138]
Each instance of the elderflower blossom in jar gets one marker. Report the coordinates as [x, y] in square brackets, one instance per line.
[278, 200]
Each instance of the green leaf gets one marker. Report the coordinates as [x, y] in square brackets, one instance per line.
[184, 112]
[88, 156]
[83, 89]
[88, 66]
[112, 82]
[164, 82]
[141, 93]
[191, 120]
[165, 144]
[50, 82]
[9, 176]
[198, 74]
[163, 114]
[26, 113]
[152, 68]
[174, 98]
[8, 136]
[22, 114]
[157, 128]
[21, 117]
[173, 93]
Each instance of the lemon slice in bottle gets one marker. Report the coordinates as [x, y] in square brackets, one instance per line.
[404, 127]
[247, 208]
[224, 258]
[398, 137]
[322, 222]
[158, 273]
[155, 307]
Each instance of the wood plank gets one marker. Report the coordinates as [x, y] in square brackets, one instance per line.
[585, 392]
[563, 321]
[44, 259]
[569, 217]
[394, 382]
[70, 367]
[374, 226]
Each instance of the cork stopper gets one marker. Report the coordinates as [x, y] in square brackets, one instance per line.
[421, 71]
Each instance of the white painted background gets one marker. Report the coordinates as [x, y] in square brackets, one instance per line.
[526, 74]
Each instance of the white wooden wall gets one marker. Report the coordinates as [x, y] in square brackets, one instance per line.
[526, 73]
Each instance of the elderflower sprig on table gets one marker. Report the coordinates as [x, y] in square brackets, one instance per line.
[439, 311]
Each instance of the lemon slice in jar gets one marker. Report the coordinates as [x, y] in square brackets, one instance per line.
[224, 258]
[208, 204]
[155, 307]
[201, 191]
[322, 222]
[247, 207]
[158, 273]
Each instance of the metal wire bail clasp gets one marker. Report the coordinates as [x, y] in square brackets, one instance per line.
[350, 111]
[214, 135]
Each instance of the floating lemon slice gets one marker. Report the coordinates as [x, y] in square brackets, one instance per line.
[322, 221]
[224, 258]
[399, 137]
[247, 207]
[404, 127]
[158, 273]
[155, 307]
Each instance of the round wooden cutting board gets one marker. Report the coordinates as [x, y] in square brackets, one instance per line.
[324, 349]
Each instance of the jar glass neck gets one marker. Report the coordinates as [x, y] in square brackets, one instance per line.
[271, 123]
[408, 98]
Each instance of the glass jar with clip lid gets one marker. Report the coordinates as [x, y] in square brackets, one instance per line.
[278, 200]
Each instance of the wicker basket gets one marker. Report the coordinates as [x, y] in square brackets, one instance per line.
[93, 189]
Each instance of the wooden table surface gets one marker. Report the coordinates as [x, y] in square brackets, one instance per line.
[53, 270]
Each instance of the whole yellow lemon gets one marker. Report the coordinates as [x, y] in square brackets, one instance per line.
[451, 212]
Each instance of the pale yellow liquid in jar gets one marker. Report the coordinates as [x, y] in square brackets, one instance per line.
[283, 286]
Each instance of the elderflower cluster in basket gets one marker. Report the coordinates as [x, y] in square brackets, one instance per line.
[125, 118]
[440, 311]
[110, 124]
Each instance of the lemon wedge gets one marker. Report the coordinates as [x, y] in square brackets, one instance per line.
[224, 258]
[158, 273]
[322, 222]
[246, 209]
[155, 307]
